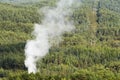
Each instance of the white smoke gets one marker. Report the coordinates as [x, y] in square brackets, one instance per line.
[54, 24]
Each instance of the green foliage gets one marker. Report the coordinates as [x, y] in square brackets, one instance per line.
[91, 52]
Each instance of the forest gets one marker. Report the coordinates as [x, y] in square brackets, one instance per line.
[90, 52]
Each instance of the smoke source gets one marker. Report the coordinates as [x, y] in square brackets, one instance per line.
[54, 24]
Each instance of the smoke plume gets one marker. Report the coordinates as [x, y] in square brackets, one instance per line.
[55, 23]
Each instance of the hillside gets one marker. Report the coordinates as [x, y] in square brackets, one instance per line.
[91, 52]
[20, 1]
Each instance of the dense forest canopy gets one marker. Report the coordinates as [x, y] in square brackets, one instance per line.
[91, 52]
[20, 1]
